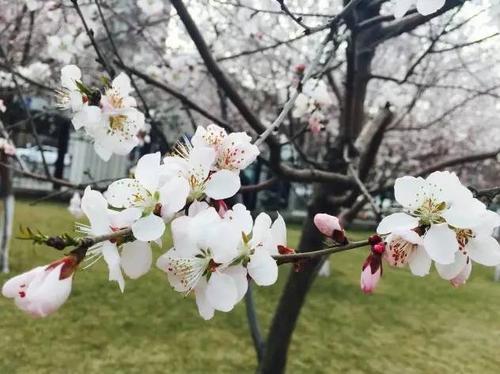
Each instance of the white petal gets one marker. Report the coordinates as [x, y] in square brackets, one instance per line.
[197, 207]
[410, 191]
[122, 84]
[147, 171]
[221, 292]
[465, 214]
[88, 116]
[263, 268]
[397, 221]
[419, 262]
[48, 296]
[401, 7]
[201, 160]
[450, 271]
[70, 74]
[173, 195]
[241, 217]
[278, 231]
[103, 152]
[484, 250]
[261, 229]
[204, 308]
[441, 244]
[112, 258]
[94, 206]
[148, 228]
[125, 193]
[239, 275]
[223, 240]
[125, 217]
[426, 7]
[136, 259]
[222, 184]
[10, 288]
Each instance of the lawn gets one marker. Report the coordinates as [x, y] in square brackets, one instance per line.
[410, 325]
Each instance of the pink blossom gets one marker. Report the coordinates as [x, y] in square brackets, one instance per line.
[330, 226]
[369, 279]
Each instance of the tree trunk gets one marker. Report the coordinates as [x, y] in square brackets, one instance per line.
[294, 294]
[7, 214]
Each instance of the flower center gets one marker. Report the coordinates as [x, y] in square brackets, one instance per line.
[430, 212]
[463, 237]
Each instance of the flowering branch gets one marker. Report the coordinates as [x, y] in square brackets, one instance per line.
[293, 257]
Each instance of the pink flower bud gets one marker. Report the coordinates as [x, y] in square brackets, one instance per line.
[369, 280]
[327, 224]
[314, 124]
[378, 248]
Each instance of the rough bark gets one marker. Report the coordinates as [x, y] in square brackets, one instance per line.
[7, 213]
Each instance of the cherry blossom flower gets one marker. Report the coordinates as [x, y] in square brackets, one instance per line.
[44, 289]
[434, 204]
[259, 241]
[475, 244]
[199, 261]
[3, 108]
[75, 207]
[233, 152]
[154, 191]
[407, 247]
[424, 7]
[136, 257]
[117, 129]
[195, 164]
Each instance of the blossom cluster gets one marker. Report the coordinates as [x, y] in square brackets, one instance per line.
[441, 222]
[181, 189]
[110, 118]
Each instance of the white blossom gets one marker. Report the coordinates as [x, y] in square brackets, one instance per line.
[435, 204]
[155, 191]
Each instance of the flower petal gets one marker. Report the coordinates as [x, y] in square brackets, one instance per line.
[112, 258]
[221, 292]
[148, 228]
[136, 259]
[125, 193]
[239, 275]
[147, 171]
[397, 221]
[441, 244]
[173, 195]
[450, 271]
[222, 184]
[420, 262]
[410, 191]
[465, 213]
[241, 217]
[223, 240]
[204, 308]
[263, 268]
[484, 249]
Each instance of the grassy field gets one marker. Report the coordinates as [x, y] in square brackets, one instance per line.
[410, 325]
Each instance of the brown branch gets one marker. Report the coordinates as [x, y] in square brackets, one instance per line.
[458, 161]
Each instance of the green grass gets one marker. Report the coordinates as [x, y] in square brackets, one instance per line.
[410, 325]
